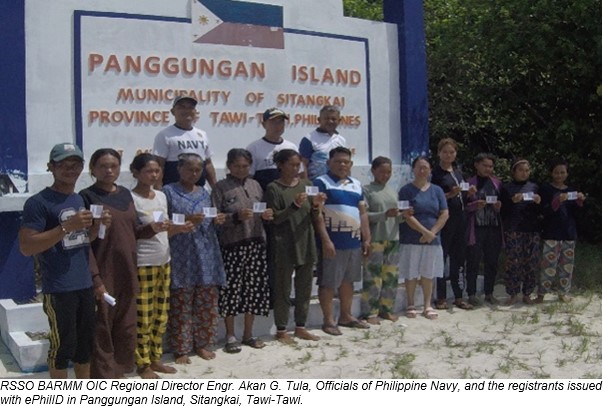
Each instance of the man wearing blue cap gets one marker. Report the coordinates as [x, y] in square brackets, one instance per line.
[182, 137]
[58, 229]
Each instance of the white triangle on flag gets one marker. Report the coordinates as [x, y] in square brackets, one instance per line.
[202, 19]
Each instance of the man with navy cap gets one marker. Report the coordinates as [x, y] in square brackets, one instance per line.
[182, 137]
[57, 227]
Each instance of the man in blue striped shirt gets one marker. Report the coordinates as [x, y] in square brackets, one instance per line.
[345, 235]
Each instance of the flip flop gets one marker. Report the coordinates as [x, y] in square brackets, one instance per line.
[232, 347]
[254, 342]
[463, 305]
[430, 314]
[411, 312]
[354, 324]
[332, 330]
[441, 305]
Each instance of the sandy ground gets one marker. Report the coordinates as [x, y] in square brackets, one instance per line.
[552, 340]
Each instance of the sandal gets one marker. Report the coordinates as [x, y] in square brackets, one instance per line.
[411, 312]
[527, 300]
[374, 320]
[354, 324]
[441, 304]
[232, 347]
[253, 342]
[332, 330]
[463, 305]
[430, 314]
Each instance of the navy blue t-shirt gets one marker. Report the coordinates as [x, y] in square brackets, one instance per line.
[65, 265]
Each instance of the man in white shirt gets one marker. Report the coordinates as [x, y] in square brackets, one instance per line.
[183, 137]
[263, 169]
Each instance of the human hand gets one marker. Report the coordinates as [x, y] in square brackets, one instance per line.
[99, 292]
[537, 199]
[221, 218]
[392, 212]
[106, 218]
[79, 221]
[187, 227]
[328, 249]
[196, 218]
[366, 249]
[160, 226]
[427, 237]
[455, 190]
[268, 215]
[319, 199]
[300, 199]
[245, 214]
[408, 213]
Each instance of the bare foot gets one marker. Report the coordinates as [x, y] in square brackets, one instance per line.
[302, 333]
[182, 359]
[147, 373]
[511, 300]
[285, 338]
[565, 298]
[157, 366]
[206, 354]
[389, 316]
[527, 300]
[374, 320]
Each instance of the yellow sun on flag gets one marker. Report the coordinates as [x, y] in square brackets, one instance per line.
[203, 20]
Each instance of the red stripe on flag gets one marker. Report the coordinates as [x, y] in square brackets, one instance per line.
[245, 35]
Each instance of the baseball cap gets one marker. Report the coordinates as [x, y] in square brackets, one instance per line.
[65, 150]
[180, 98]
[274, 113]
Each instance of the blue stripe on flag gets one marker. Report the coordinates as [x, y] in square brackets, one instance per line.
[245, 13]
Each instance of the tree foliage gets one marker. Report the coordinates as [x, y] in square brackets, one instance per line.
[516, 78]
[366, 9]
[520, 78]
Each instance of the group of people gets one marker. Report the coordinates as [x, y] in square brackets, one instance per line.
[120, 267]
[535, 225]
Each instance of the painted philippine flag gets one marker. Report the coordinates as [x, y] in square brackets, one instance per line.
[229, 22]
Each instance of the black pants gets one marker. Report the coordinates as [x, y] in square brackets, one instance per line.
[454, 245]
[488, 242]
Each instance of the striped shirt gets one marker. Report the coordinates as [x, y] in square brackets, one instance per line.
[341, 211]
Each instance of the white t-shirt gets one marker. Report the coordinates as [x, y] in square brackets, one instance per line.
[262, 152]
[263, 169]
[154, 251]
[173, 141]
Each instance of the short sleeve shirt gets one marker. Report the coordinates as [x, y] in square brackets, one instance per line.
[172, 141]
[341, 210]
[427, 206]
[263, 169]
[315, 147]
[64, 265]
[152, 251]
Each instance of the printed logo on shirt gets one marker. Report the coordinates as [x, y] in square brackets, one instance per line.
[74, 239]
[189, 144]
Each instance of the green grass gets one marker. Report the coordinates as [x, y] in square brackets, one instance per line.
[587, 271]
